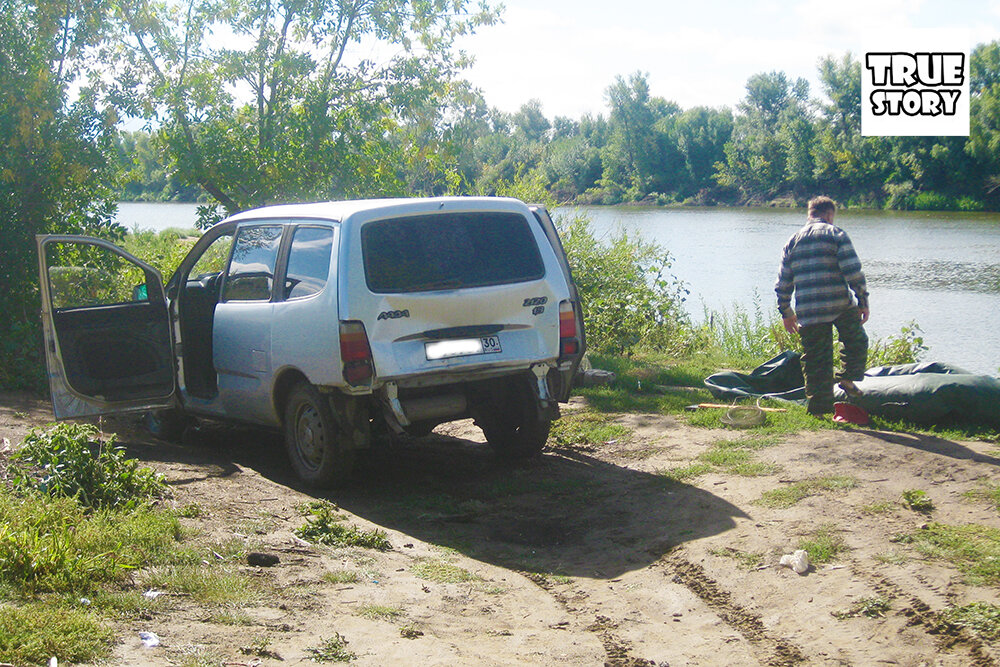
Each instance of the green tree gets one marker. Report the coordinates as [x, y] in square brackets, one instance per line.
[631, 154]
[702, 134]
[57, 163]
[288, 106]
[984, 131]
[768, 152]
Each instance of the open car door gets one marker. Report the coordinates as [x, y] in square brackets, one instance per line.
[549, 227]
[107, 330]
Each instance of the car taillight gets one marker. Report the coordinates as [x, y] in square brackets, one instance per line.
[356, 353]
[569, 343]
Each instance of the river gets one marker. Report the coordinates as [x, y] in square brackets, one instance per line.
[941, 270]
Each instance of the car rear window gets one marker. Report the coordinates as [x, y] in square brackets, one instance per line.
[449, 251]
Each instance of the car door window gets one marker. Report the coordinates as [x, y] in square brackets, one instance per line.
[82, 275]
[308, 261]
[251, 269]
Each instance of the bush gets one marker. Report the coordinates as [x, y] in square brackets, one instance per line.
[905, 348]
[70, 461]
[933, 201]
[22, 359]
[628, 296]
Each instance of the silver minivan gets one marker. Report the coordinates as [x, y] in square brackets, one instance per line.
[330, 321]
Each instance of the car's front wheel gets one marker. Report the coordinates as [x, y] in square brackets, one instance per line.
[313, 440]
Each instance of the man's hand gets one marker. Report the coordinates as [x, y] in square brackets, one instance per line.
[791, 324]
[865, 312]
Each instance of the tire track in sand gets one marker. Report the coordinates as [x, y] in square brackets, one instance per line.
[770, 650]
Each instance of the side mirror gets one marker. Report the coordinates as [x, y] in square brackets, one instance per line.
[140, 293]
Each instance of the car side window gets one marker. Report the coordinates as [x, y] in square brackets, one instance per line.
[308, 261]
[251, 269]
[213, 259]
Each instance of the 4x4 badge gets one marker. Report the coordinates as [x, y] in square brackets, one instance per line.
[393, 314]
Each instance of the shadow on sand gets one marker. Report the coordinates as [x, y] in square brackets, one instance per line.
[565, 512]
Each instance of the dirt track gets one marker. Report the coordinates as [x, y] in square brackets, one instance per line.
[585, 556]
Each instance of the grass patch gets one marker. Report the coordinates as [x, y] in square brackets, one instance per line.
[341, 577]
[332, 649]
[980, 618]
[745, 560]
[917, 501]
[205, 584]
[989, 493]
[684, 473]
[890, 558]
[231, 617]
[874, 606]
[879, 507]
[824, 545]
[191, 511]
[33, 633]
[725, 458]
[377, 612]
[787, 496]
[973, 549]
[586, 429]
[53, 545]
[442, 572]
[794, 419]
[325, 526]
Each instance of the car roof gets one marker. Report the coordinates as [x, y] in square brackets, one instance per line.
[339, 211]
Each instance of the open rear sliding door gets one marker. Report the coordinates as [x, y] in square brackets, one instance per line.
[107, 330]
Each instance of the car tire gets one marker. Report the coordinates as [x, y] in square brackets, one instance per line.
[167, 425]
[313, 440]
[513, 426]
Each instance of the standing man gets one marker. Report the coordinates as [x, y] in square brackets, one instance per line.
[820, 266]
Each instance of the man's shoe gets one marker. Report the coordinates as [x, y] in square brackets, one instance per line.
[850, 388]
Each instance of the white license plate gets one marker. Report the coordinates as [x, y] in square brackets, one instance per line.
[444, 349]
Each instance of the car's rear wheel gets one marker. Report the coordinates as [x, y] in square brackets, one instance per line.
[512, 424]
[313, 440]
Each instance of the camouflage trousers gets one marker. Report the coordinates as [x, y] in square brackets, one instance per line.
[817, 357]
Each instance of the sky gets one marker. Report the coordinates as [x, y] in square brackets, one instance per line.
[565, 53]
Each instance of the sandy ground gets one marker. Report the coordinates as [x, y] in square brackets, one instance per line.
[584, 556]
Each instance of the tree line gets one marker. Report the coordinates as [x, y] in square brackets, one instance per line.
[779, 145]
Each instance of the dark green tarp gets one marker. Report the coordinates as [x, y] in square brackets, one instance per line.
[926, 393]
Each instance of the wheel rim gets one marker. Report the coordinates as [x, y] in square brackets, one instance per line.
[310, 441]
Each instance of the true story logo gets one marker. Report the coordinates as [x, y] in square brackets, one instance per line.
[915, 93]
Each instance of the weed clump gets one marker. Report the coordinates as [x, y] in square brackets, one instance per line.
[333, 649]
[874, 606]
[70, 460]
[325, 526]
[980, 618]
[917, 500]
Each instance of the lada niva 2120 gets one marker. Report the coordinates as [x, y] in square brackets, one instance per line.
[329, 321]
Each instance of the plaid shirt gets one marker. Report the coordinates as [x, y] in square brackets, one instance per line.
[819, 264]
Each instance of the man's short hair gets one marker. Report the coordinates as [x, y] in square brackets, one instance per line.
[819, 206]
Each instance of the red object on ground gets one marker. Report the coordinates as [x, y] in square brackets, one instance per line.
[850, 414]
